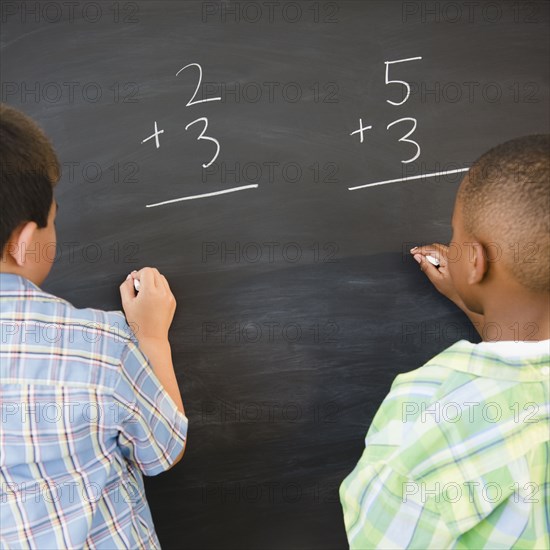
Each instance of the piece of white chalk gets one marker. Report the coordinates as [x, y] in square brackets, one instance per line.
[432, 260]
[136, 285]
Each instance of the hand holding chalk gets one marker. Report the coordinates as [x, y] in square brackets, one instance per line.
[433, 262]
[432, 259]
[152, 310]
[137, 284]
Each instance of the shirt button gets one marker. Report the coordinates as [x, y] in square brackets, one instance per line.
[545, 371]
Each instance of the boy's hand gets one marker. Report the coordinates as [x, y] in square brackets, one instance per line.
[439, 276]
[149, 312]
[441, 279]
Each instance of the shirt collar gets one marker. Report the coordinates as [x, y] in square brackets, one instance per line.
[10, 282]
[485, 361]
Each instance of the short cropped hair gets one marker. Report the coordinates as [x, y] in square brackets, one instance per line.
[29, 169]
[505, 200]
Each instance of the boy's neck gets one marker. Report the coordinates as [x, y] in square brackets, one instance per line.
[517, 317]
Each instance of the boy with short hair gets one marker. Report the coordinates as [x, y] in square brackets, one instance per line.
[458, 455]
[88, 404]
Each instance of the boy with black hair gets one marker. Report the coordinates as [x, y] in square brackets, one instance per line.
[88, 404]
[458, 454]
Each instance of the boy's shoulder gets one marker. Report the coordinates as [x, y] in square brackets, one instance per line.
[500, 361]
[424, 382]
[82, 347]
[467, 399]
[411, 394]
[54, 312]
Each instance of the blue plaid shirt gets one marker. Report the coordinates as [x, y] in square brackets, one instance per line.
[82, 417]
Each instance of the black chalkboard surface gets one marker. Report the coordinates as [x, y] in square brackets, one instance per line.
[298, 302]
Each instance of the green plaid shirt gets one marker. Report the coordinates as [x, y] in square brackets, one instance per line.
[458, 455]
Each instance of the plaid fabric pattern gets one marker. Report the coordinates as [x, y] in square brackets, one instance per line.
[457, 456]
[82, 417]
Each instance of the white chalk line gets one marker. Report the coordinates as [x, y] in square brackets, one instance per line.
[204, 195]
[243, 187]
[432, 175]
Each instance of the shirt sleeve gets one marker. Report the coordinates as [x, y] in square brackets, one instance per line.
[152, 431]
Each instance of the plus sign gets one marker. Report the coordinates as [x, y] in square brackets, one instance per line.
[155, 135]
[361, 129]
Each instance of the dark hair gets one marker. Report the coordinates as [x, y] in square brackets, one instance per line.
[29, 169]
[505, 200]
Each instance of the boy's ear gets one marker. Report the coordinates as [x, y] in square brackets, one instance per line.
[23, 243]
[477, 268]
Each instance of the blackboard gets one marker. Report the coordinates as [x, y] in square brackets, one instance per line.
[298, 303]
